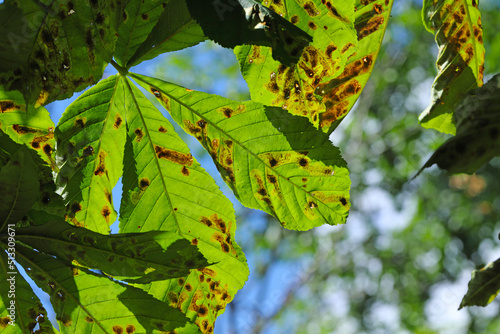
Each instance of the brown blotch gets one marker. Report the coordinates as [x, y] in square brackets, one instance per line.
[188, 287]
[75, 207]
[208, 272]
[310, 9]
[185, 171]
[181, 281]
[185, 159]
[22, 130]
[312, 25]
[162, 129]
[130, 329]
[118, 329]
[8, 106]
[343, 201]
[107, 193]
[138, 134]
[272, 178]
[155, 92]
[194, 241]
[106, 212]
[101, 167]
[227, 112]
[294, 19]
[206, 221]
[303, 162]
[144, 183]
[365, 28]
[377, 8]
[118, 122]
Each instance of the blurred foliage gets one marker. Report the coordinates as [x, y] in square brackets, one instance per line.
[402, 262]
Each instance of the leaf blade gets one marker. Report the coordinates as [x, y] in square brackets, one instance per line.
[130, 257]
[105, 307]
[286, 157]
[457, 26]
[483, 286]
[164, 188]
[91, 136]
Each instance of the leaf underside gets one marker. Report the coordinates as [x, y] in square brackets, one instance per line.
[478, 132]
[331, 72]
[459, 36]
[278, 164]
[483, 286]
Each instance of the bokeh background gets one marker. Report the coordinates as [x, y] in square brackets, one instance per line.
[402, 262]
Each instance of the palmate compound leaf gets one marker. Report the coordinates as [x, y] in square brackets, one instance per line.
[27, 125]
[478, 132]
[483, 286]
[62, 46]
[332, 71]
[19, 186]
[18, 302]
[457, 26]
[273, 161]
[90, 140]
[165, 189]
[243, 22]
[85, 302]
[175, 30]
[129, 257]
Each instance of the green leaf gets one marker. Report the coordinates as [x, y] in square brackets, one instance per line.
[272, 160]
[140, 17]
[164, 188]
[130, 257]
[478, 132]
[459, 36]
[483, 286]
[27, 125]
[175, 30]
[18, 302]
[232, 23]
[62, 46]
[19, 187]
[91, 136]
[304, 89]
[85, 302]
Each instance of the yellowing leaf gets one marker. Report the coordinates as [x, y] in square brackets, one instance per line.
[273, 161]
[457, 25]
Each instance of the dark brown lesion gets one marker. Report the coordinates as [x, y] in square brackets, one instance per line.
[185, 159]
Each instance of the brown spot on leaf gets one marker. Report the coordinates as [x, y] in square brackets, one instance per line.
[89, 319]
[145, 16]
[106, 212]
[8, 106]
[194, 241]
[117, 329]
[138, 134]
[162, 129]
[185, 171]
[20, 129]
[294, 19]
[144, 183]
[118, 122]
[130, 329]
[310, 9]
[185, 159]
[101, 167]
